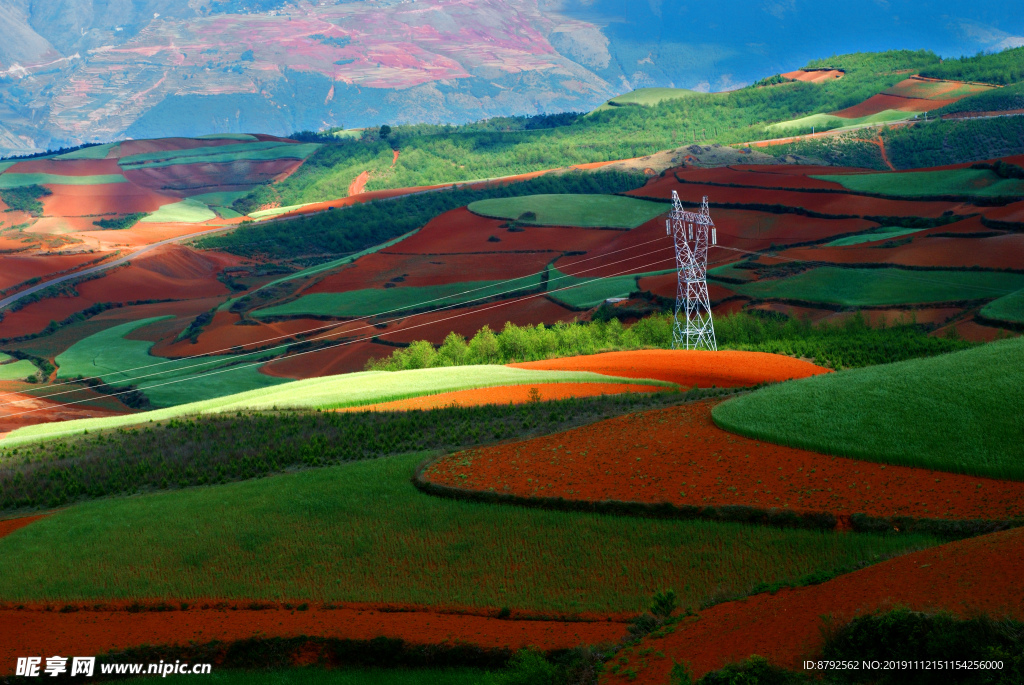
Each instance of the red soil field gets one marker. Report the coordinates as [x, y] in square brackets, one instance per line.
[462, 231]
[882, 102]
[814, 76]
[92, 631]
[374, 270]
[222, 334]
[61, 225]
[665, 286]
[66, 167]
[344, 358]
[105, 198]
[968, 577]
[808, 313]
[359, 183]
[466, 321]
[769, 176]
[208, 177]
[138, 147]
[678, 455]
[1012, 212]
[10, 525]
[20, 268]
[168, 271]
[688, 368]
[508, 394]
[37, 316]
[825, 203]
[969, 330]
[20, 409]
[935, 89]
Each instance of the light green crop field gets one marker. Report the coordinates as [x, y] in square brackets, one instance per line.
[1008, 308]
[653, 96]
[823, 122]
[188, 211]
[598, 211]
[372, 301]
[326, 266]
[587, 292]
[961, 412]
[94, 152]
[122, 362]
[874, 287]
[276, 211]
[4, 357]
[225, 212]
[346, 676]
[9, 180]
[883, 233]
[326, 392]
[5, 165]
[16, 371]
[221, 199]
[258, 151]
[959, 182]
[362, 532]
[731, 271]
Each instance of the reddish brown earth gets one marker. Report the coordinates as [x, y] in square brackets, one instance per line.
[678, 455]
[343, 358]
[358, 184]
[769, 176]
[208, 177]
[508, 394]
[1012, 213]
[665, 285]
[66, 167]
[170, 271]
[104, 198]
[90, 631]
[20, 268]
[882, 102]
[814, 76]
[466, 321]
[969, 577]
[221, 334]
[688, 368]
[8, 526]
[19, 409]
[147, 146]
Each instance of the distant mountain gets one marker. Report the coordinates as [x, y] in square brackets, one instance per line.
[74, 71]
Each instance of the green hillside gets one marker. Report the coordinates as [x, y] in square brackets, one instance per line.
[961, 412]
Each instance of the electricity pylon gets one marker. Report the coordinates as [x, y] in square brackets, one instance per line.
[693, 233]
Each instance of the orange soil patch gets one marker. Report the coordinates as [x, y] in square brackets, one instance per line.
[881, 102]
[36, 316]
[379, 268]
[104, 198]
[10, 525]
[688, 368]
[343, 358]
[968, 577]
[359, 183]
[935, 89]
[91, 631]
[466, 321]
[678, 455]
[814, 76]
[825, 203]
[969, 330]
[19, 409]
[508, 394]
[66, 167]
[169, 271]
[462, 231]
[222, 334]
[207, 177]
[20, 268]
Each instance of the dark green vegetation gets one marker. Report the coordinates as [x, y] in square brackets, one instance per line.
[121, 222]
[444, 154]
[998, 99]
[974, 182]
[606, 211]
[361, 532]
[1001, 68]
[25, 198]
[843, 287]
[221, 448]
[962, 412]
[849, 344]
[360, 226]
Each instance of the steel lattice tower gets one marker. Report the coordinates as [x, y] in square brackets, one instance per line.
[693, 233]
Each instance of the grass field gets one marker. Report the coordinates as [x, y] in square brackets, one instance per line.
[110, 356]
[9, 180]
[221, 199]
[188, 211]
[883, 233]
[318, 676]
[1007, 308]
[960, 412]
[362, 532]
[875, 287]
[958, 182]
[373, 301]
[591, 292]
[651, 96]
[92, 152]
[599, 211]
[823, 122]
[17, 371]
[256, 151]
[327, 392]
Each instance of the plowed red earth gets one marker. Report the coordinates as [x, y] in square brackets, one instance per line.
[509, 394]
[171, 270]
[1012, 213]
[980, 575]
[89, 631]
[138, 147]
[341, 359]
[208, 177]
[462, 231]
[222, 334]
[66, 167]
[20, 409]
[375, 270]
[467, 321]
[20, 268]
[678, 455]
[10, 525]
[881, 102]
[666, 284]
[814, 76]
[688, 368]
[825, 203]
[767, 177]
[104, 198]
